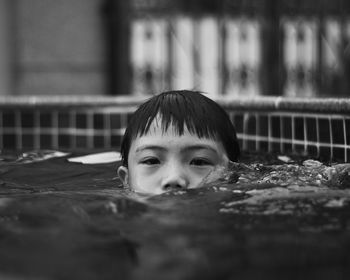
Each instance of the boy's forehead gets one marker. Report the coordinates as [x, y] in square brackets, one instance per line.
[169, 141]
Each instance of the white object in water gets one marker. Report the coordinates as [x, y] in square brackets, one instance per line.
[105, 157]
[285, 159]
[39, 155]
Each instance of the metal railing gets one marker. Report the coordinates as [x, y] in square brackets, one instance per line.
[232, 47]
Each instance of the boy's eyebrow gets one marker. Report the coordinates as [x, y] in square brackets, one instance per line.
[185, 149]
[149, 147]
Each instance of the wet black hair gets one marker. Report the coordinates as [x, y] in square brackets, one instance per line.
[183, 108]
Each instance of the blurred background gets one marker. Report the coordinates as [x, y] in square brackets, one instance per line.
[137, 47]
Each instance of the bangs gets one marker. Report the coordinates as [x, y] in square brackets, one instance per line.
[177, 113]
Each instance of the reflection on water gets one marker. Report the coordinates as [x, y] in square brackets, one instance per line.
[261, 218]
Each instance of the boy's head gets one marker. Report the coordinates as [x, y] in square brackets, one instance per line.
[174, 140]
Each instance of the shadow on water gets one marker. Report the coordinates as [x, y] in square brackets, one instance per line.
[61, 220]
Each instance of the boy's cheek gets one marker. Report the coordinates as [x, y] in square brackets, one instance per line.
[141, 186]
[142, 173]
[142, 180]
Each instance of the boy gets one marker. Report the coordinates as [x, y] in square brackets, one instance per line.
[176, 140]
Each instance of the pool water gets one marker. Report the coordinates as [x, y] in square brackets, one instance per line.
[264, 219]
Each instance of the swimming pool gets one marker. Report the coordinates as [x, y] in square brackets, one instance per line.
[63, 220]
[273, 218]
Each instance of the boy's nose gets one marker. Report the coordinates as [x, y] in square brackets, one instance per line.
[175, 178]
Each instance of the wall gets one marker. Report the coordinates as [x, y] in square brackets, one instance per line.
[59, 47]
[6, 58]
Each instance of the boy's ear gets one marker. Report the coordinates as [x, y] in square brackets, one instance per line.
[123, 174]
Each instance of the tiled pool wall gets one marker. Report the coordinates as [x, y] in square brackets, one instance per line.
[318, 128]
[315, 127]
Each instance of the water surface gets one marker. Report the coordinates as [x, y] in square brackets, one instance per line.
[264, 219]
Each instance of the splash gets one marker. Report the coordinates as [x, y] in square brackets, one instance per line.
[269, 189]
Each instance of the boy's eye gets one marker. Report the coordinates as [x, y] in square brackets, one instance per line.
[150, 161]
[200, 162]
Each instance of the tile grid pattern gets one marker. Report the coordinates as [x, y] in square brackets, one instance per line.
[62, 129]
[318, 134]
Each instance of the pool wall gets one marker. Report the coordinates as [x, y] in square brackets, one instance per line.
[314, 127]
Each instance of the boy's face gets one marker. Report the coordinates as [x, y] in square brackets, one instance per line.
[161, 161]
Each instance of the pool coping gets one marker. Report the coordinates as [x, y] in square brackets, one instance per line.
[259, 103]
